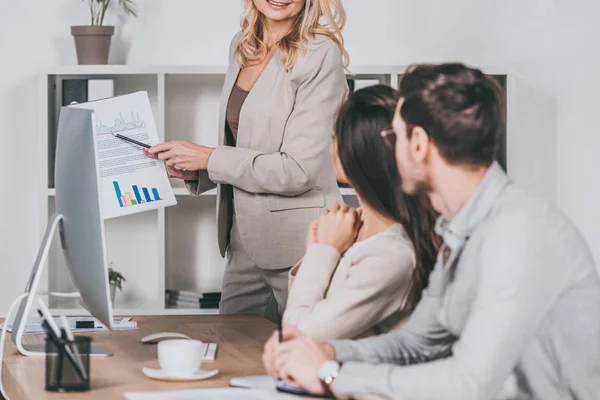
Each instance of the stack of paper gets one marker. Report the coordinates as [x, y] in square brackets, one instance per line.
[34, 325]
[212, 394]
[258, 387]
[254, 382]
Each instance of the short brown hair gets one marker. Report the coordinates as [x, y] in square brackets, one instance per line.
[460, 108]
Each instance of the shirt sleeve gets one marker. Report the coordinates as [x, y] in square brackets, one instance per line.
[520, 278]
[421, 339]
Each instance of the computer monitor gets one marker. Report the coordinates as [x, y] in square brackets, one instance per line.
[80, 225]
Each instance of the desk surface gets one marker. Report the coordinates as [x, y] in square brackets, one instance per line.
[240, 339]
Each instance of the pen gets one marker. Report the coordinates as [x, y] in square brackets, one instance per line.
[55, 335]
[130, 140]
[280, 329]
[56, 341]
[71, 340]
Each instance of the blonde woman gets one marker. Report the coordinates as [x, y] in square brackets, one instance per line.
[285, 83]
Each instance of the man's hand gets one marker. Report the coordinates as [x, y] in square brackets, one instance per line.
[272, 345]
[297, 361]
[339, 227]
[182, 155]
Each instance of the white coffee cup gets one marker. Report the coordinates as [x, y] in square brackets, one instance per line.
[180, 357]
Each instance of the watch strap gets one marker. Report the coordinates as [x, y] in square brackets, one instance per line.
[327, 385]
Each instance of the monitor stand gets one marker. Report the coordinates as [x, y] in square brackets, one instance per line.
[20, 321]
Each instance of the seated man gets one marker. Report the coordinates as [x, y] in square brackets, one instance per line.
[514, 294]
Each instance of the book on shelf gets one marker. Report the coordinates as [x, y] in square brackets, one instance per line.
[189, 299]
[84, 90]
[186, 304]
[177, 294]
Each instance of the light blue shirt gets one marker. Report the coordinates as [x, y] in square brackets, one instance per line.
[518, 300]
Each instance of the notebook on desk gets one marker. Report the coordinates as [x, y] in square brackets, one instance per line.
[254, 382]
[212, 394]
[266, 382]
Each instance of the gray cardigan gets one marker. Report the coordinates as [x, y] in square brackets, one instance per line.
[522, 301]
[279, 175]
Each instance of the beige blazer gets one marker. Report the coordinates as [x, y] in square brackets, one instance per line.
[360, 294]
[279, 176]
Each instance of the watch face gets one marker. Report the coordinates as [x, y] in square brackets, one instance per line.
[329, 369]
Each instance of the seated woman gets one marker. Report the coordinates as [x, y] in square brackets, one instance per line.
[363, 271]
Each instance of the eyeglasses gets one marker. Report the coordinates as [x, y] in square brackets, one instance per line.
[389, 137]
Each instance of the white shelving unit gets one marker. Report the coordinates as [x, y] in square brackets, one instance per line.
[173, 248]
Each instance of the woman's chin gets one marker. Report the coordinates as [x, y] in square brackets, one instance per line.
[277, 16]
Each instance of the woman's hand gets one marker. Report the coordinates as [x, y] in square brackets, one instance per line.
[181, 155]
[185, 175]
[175, 173]
[311, 236]
[338, 227]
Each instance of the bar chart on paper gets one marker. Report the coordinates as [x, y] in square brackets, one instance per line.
[145, 189]
[137, 195]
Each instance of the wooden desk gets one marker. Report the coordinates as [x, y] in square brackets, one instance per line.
[240, 339]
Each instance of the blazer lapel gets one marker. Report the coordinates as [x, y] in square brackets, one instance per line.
[260, 91]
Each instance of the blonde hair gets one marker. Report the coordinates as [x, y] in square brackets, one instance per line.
[306, 25]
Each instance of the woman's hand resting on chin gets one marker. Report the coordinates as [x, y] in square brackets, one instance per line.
[337, 227]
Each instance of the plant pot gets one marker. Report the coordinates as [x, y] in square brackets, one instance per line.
[92, 43]
[113, 291]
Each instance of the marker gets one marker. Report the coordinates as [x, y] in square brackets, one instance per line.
[71, 339]
[130, 140]
[55, 335]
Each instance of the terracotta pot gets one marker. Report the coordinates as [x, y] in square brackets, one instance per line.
[92, 43]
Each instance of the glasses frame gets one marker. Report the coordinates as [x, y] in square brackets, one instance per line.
[387, 135]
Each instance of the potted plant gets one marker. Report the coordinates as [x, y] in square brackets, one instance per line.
[115, 279]
[92, 42]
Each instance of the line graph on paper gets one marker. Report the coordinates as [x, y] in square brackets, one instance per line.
[120, 124]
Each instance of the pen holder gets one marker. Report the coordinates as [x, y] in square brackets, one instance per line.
[68, 364]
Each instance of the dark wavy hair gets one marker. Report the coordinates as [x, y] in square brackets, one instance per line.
[370, 167]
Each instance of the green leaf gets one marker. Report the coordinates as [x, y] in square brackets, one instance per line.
[98, 9]
[129, 7]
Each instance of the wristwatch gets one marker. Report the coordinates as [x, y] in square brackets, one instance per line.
[327, 373]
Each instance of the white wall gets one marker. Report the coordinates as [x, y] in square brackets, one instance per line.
[549, 44]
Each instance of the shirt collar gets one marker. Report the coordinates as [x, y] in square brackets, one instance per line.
[477, 207]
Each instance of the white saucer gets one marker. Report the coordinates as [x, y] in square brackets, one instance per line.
[161, 375]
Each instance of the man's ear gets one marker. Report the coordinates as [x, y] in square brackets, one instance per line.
[420, 144]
